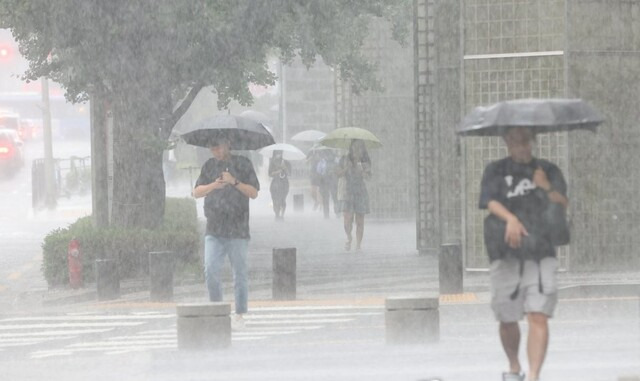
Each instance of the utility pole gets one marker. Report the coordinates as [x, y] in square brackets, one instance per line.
[49, 177]
[99, 161]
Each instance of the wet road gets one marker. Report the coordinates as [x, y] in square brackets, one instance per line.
[595, 339]
[22, 230]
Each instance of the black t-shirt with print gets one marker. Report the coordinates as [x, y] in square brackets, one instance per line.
[227, 209]
[511, 184]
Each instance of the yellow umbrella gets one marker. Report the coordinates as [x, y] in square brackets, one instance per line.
[342, 138]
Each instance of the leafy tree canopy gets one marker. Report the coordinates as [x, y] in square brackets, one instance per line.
[112, 46]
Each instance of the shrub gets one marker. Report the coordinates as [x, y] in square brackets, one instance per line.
[130, 247]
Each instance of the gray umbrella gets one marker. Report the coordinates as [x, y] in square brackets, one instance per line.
[543, 115]
[244, 133]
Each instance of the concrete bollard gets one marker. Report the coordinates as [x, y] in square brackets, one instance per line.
[161, 266]
[412, 320]
[450, 269]
[107, 279]
[284, 274]
[204, 326]
[298, 202]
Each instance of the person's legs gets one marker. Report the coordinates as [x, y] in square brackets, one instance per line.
[505, 277]
[283, 205]
[540, 303]
[324, 195]
[348, 227]
[276, 205]
[537, 342]
[359, 229]
[214, 253]
[238, 257]
[510, 338]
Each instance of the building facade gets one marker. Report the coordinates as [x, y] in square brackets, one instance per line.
[477, 52]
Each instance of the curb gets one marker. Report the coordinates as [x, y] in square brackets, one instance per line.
[599, 291]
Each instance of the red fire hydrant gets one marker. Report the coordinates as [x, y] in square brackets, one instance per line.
[74, 259]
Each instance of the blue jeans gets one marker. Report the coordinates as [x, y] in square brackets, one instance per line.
[215, 250]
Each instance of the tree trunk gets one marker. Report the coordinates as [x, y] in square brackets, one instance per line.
[138, 180]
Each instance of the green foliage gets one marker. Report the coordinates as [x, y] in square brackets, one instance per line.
[178, 233]
[121, 45]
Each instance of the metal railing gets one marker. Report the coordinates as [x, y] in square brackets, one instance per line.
[72, 178]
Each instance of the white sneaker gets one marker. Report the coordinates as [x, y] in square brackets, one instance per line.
[237, 323]
[513, 377]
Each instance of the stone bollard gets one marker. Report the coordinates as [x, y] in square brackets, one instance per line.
[204, 326]
[412, 320]
[298, 202]
[107, 279]
[284, 274]
[161, 266]
[450, 269]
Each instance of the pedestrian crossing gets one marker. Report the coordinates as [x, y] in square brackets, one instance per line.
[71, 334]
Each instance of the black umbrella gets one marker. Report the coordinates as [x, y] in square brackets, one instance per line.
[244, 133]
[543, 115]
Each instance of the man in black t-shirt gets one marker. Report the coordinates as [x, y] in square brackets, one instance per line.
[227, 182]
[516, 190]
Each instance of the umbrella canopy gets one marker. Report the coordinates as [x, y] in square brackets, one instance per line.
[308, 136]
[544, 115]
[319, 147]
[244, 133]
[342, 137]
[258, 117]
[289, 152]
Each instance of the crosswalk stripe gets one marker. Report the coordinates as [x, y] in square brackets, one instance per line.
[53, 333]
[248, 338]
[270, 333]
[296, 321]
[317, 308]
[68, 325]
[260, 323]
[44, 354]
[118, 343]
[86, 318]
[251, 316]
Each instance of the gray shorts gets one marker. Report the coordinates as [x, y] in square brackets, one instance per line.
[505, 275]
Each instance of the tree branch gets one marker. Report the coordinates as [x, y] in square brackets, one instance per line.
[184, 106]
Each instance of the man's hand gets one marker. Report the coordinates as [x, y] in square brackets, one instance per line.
[541, 180]
[203, 190]
[227, 178]
[514, 232]
[218, 184]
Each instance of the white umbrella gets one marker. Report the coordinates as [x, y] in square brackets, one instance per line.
[308, 136]
[289, 152]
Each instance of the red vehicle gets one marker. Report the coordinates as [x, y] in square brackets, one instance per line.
[11, 155]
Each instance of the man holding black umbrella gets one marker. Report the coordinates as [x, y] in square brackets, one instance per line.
[517, 190]
[227, 182]
[527, 201]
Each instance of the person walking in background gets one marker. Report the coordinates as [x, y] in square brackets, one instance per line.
[227, 182]
[279, 171]
[313, 158]
[517, 190]
[327, 167]
[355, 167]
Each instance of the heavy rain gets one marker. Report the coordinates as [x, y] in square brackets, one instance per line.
[319, 190]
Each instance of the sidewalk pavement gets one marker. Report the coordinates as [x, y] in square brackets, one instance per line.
[388, 265]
